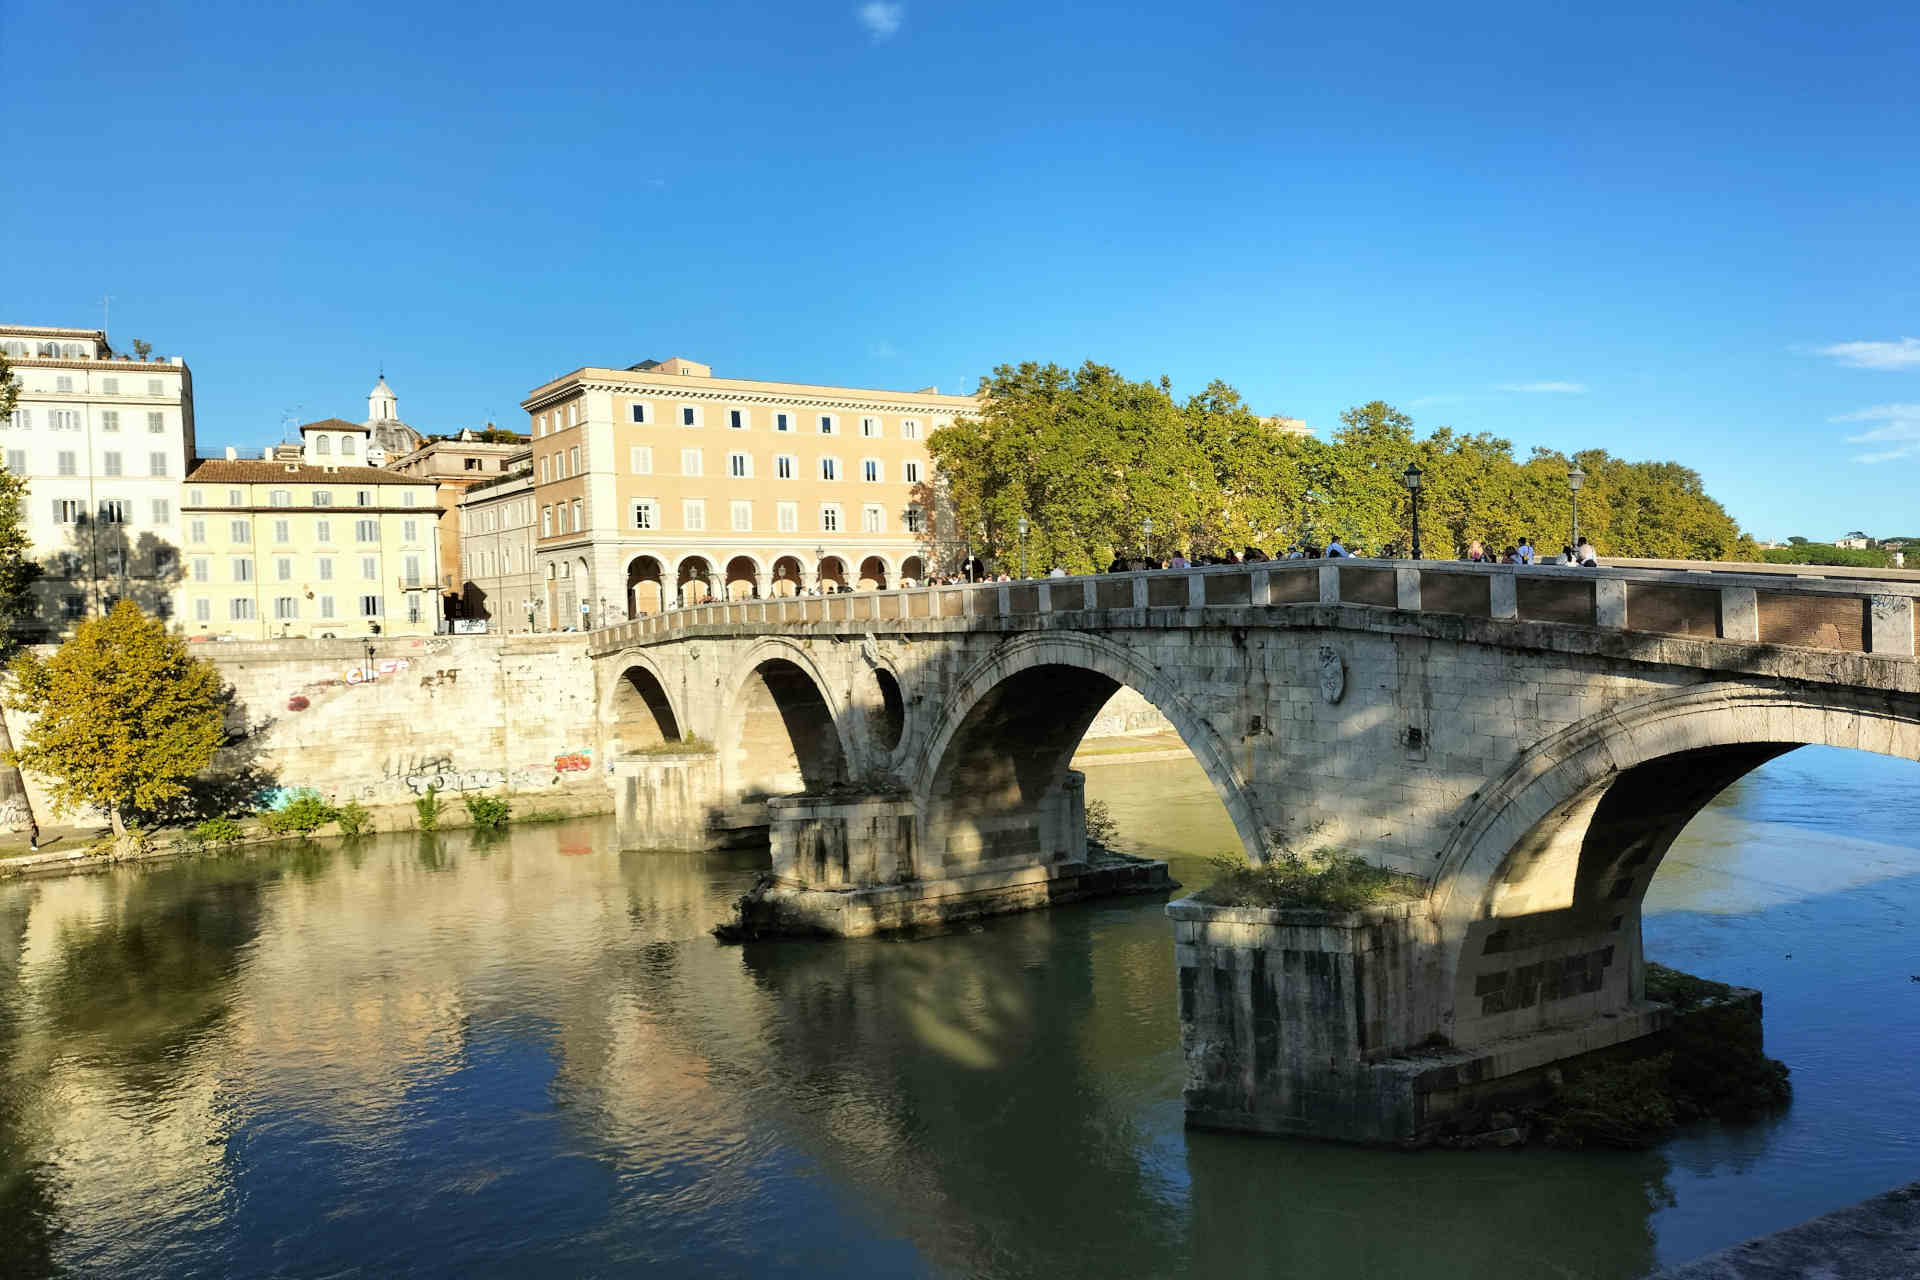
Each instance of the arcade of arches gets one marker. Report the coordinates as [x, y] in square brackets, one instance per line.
[655, 584]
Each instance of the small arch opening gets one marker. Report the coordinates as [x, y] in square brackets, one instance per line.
[889, 717]
[642, 713]
[785, 738]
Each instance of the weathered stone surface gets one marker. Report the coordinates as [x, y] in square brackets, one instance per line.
[1877, 1239]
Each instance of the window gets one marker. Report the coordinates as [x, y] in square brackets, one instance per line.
[156, 423]
[323, 531]
[785, 465]
[63, 419]
[202, 567]
[577, 525]
[646, 513]
[236, 498]
[63, 383]
[783, 422]
[325, 566]
[323, 446]
[369, 568]
[690, 462]
[410, 571]
[407, 497]
[690, 415]
[202, 609]
[910, 471]
[370, 606]
[115, 510]
[326, 606]
[870, 470]
[737, 419]
[830, 518]
[742, 516]
[573, 419]
[240, 531]
[788, 515]
[110, 387]
[283, 531]
[913, 519]
[909, 429]
[827, 424]
[739, 465]
[346, 446]
[413, 608]
[640, 460]
[110, 463]
[156, 464]
[693, 514]
[870, 427]
[109, 419]
[546, 476]
[17, 461]
[573, 461]
[196, 531]
[363, 497]
[639, 411]
[285, 608]
[242, 569]
[470, 464]
[409, 530]
[154, 388]
[74, 606]
[21, 419]
[546, 522]
[829, 468]
[240, 610]
[66, 462]
[873, 519]
[280, 498]
[283, 569]
[366, 531]
[69, 511]
[323, 497]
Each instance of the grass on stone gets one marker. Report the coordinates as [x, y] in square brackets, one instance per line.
[1328, 879]
[691, 745]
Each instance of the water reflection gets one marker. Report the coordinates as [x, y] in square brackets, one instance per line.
[450, 1054]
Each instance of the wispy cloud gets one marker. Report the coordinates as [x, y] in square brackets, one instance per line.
[1549, 388]
[1899, 430]
[882, 21]
[1901, 354]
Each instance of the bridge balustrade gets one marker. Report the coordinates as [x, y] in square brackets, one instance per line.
[1749, 604]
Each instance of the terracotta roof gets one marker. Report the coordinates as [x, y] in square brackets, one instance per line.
[261, 471]
[335, 424]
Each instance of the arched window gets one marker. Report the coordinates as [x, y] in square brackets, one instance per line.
[346, 446]
[323, 444]
[17, 349]
[50, 350]
[72, 350]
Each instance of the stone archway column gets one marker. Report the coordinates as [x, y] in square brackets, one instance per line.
[762, 586]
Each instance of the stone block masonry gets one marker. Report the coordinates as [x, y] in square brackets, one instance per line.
[456, 713]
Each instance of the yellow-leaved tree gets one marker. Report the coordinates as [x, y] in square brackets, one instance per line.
[127, 716]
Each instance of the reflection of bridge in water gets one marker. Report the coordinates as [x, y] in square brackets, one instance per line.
[1527, 741]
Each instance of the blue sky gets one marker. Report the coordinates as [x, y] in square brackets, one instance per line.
[1680, 232]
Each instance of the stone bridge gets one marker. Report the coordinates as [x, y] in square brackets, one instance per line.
[1527, 741]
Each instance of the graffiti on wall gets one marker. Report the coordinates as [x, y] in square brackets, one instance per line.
[574, 761]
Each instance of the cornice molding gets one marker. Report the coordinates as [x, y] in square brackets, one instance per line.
[900, 402]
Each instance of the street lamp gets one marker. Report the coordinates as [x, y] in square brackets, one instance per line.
[1146, 540]
[529, 605]
[1411, 478]
[1023, 546]
[1576, 478]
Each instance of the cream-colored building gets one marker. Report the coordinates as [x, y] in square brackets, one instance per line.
[662, 484]
[103, 439]
[495, 563]
[458, 464]
[304, 544]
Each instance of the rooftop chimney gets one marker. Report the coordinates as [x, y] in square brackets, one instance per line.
[233, 454]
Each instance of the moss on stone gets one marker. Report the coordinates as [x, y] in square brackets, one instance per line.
[1328, 879]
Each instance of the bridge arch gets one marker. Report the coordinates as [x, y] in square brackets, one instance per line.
[1010, 728]
[784, 729]
[638, 709]
[1554, 858]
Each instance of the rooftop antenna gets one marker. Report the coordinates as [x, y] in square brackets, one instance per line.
[106, 311]
[289, 421]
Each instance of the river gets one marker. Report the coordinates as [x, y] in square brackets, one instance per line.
[462, 1056]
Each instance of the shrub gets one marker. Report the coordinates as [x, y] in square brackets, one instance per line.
[1326, 878]
[1101, 828]
[218, 833]
[354, 819]
[303, 814]
[488, 812]
[427, 810]
[691, 745]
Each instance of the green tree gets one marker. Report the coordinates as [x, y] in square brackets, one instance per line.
[126, 716]
[17, 574]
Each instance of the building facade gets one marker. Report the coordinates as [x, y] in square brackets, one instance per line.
[495, 563]
[457, 464]
[103, 439]
[661, 484]
[305, 544]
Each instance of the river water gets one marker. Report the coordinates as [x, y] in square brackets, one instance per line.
[471, 1057]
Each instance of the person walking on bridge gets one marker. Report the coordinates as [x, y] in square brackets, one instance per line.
[1336, 548]
[1525, 550]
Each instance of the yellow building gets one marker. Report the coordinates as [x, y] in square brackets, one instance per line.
[662, 484]
[293, 544]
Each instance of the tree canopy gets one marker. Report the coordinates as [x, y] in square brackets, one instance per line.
[1088, 457]
[126, 716]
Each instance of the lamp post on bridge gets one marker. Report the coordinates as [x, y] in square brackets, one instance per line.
[1023, 546]
[1411, 478]
[1576, 478]
[1146, 540]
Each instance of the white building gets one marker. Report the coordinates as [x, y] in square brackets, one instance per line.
[104, 440]
[496, 580]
